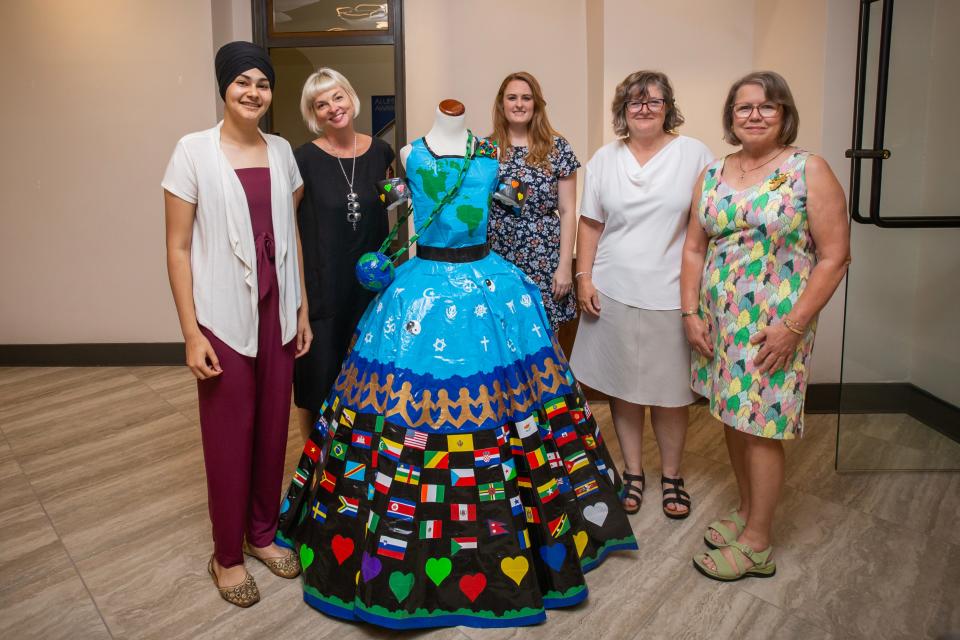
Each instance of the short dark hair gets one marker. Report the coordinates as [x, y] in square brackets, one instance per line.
[636, 84]
[776, 89]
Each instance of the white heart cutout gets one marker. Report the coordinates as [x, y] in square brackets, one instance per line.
[596, 513]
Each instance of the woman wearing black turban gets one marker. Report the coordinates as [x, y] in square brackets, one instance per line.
[234, 262]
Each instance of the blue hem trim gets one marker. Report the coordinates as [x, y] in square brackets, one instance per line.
[559, 603]
[593, 564]
[280, 542]
[421, 623]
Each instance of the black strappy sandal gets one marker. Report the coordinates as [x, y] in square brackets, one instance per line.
[674, 494]
[631, 491]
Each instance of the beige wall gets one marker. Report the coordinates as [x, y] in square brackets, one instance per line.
[88, 219]
[103, 92]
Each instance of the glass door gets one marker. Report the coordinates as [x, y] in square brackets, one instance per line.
[900, 386]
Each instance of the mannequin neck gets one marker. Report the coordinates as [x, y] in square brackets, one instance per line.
[448, 137]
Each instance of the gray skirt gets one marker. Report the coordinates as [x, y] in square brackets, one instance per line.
[633, 354]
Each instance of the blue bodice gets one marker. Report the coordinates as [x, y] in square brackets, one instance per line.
[463, 222]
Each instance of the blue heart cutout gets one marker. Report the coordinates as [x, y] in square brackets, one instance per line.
[554, 555]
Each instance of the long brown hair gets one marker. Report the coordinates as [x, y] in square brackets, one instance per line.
[539, 132]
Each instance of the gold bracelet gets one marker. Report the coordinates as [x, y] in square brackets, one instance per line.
[687, 314]
[793, 326]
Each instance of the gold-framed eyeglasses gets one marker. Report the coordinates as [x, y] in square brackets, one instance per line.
[744, 110]
[653, 105]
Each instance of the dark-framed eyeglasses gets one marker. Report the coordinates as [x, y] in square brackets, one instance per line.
[653, 105]
[743, 110]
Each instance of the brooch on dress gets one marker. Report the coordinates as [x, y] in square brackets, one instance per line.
[777, 181]
[486, 149]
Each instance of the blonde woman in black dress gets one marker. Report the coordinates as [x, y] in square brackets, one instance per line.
[340, 218]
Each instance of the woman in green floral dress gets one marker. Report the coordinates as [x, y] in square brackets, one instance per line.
[766, 247]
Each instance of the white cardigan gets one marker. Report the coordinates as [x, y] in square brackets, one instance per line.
[223, 258]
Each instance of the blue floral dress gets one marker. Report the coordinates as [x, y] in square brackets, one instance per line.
[530, 238]
[456, 475]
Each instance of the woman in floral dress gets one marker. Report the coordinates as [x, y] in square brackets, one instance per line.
[766, 247]
[538, 235]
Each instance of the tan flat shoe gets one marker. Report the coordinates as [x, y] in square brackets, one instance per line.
[246, 594]
[286, 567]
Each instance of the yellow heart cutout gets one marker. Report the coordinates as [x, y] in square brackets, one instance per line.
[515, 568]
[383, 198]
[580, 541]
[357, 581]
[519, 196]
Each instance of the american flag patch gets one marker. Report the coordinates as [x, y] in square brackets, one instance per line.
[415, 439]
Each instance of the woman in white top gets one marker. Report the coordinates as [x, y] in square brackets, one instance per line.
[630, 343]
[235, 270]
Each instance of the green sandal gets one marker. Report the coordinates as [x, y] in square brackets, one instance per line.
[763, 566]
[724, 531]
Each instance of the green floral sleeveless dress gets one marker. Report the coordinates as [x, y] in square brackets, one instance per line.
[758, 261]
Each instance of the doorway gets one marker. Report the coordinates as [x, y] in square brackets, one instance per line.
[899, 397]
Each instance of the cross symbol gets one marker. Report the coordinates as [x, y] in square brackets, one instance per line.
[536, 329]
[317, 512]
[484, 342]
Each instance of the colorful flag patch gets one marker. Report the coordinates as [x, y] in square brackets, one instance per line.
[486, 457]
[535, 458]
[497, 528]
[458, 544]
[348, 506]
[586, 488]
[372, 521]
[491, 491]
[432, 492]
[347, 417]
[436, 460]
[575, 461]
[462, 478]
[524, 482]
[559, 526]
[460, 442]
[407, 474]
[555, 407]
[431, 529]
[394, 548]
[563, 484]
[382, 482]
[361, 439]
[503, 432]
[401, 509]
[328, 481]
[311, 450]
[509, 469]
[516, 447]
[589, 441]
[318, 511]
[523, 537]
[554, 459]
[415, 439]
[516, 506]
[338, 450]
[527, 426]
[354, 470]
[299, 477]
[548, 490]
[390, 448]
[563, 435]
[463, 512]
[532, 514]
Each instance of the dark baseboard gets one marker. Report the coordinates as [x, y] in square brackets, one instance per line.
[92, 355]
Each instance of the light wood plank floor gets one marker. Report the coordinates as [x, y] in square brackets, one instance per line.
[104, 534]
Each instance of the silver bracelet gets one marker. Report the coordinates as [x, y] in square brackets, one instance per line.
[581, 273]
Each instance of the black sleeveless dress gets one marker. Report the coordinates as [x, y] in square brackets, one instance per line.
[331, 248]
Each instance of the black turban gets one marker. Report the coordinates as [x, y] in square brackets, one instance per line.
[234, 58]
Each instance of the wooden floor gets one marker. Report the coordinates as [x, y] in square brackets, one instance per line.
[104, 534]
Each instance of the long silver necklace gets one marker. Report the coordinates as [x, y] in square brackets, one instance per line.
[353, 200]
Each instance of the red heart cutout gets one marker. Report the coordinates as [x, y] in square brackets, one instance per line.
[473, 585]
[400, 188]
[342, 548]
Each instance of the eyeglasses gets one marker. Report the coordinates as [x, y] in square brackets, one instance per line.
[744, 110]
[654, 105]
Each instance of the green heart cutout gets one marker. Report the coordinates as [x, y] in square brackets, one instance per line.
[306, 556]
[438, 569]
[387, 187]
[401, 584]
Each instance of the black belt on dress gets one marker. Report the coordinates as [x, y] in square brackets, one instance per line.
[458, 254]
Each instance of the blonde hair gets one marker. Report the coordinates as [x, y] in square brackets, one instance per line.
[635, 85]
[321, 80]
[540, 133]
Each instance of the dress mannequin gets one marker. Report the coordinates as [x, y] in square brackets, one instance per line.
[448, 137]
